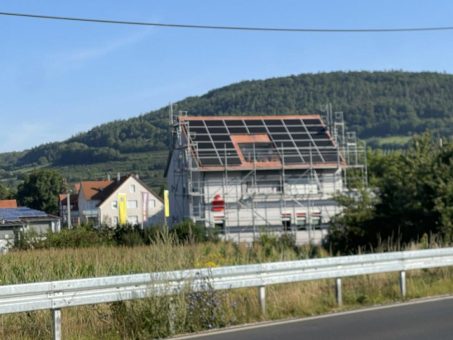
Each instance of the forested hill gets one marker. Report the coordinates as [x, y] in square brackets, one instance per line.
[375, 104]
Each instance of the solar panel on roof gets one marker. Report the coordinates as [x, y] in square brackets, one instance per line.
[273, 122]
[290, 122]
[234, 123]
[237, 129]
[15, 214]
[316, 129]
[214, 123]
[273, 129]
[296, 128]
[300, 140]
[312, 121]
[217, 130]
[281, 136]
[257, 129]
[249, 122]
[196, 123]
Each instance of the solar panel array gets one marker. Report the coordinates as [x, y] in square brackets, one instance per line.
[297, 141]
[15, 214]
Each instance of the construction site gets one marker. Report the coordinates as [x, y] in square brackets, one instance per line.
[245, 175]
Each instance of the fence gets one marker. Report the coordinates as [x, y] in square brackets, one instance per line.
[56, 295]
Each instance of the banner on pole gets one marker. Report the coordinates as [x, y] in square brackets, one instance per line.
[166, 204]
[122, 209]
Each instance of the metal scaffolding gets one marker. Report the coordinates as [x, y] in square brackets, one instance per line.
[276, 196]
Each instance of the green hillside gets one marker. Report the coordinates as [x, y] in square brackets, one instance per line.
[382, 107]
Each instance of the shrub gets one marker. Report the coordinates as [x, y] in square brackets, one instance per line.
[189, 232]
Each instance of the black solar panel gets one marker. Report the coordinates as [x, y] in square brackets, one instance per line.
[273, 122]
[280, 136]
[275, 129]
[210, 123]
[296, 141]
[234, 123]
[237, 129]
[196, 123]
[217, 130]
[257, 129]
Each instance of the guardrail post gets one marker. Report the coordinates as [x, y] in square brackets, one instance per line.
[262, 298]
[56, 324]
[403, 283]
[172, 316]
[338, 292]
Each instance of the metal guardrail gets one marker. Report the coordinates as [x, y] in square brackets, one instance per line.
[55, 295]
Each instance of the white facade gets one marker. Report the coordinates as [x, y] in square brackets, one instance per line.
[143, 206]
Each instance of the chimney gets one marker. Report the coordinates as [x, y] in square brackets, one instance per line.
[108, 177]
[137, 176]
[118, 176]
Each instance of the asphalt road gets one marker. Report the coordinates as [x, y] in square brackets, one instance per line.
[428, 319]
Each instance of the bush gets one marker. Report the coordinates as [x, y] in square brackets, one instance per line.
[189, 232]
[79, 237]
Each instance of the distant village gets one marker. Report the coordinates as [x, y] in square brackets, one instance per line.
[110, 202]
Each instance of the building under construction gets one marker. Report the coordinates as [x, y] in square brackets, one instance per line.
[245, 174]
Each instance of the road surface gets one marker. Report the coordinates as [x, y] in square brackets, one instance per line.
[424, 319]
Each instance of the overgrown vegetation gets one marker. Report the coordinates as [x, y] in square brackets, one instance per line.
[411, 196]
[126, 235]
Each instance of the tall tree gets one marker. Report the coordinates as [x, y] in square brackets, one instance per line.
[40, 190]
[4, 192]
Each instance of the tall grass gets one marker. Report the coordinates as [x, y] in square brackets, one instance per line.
[158, 317]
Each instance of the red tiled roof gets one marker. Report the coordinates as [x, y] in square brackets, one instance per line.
[101, 190]
[8, 204]
[93, 189]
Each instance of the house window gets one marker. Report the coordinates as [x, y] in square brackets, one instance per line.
[114, 204]
[115, 220]
[132, 220]
[132, 188]
[132, 204]
[152, 203]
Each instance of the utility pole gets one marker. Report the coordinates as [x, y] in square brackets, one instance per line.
[68, 197]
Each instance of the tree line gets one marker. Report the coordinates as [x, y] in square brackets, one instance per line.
[376, 104]
[410, 198]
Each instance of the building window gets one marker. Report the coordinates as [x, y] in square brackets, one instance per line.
[132, 204]
[114, 204]
[132, 188]
[115, 220]
[152, 203]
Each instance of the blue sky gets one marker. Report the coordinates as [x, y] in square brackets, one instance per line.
[61, 78]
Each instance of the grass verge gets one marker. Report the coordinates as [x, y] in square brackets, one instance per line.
[159, 317]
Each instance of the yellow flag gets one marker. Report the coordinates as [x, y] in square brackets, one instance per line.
[122, 209]
[166, 204]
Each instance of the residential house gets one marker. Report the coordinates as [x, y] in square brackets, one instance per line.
[15, 220]
[124, 200]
